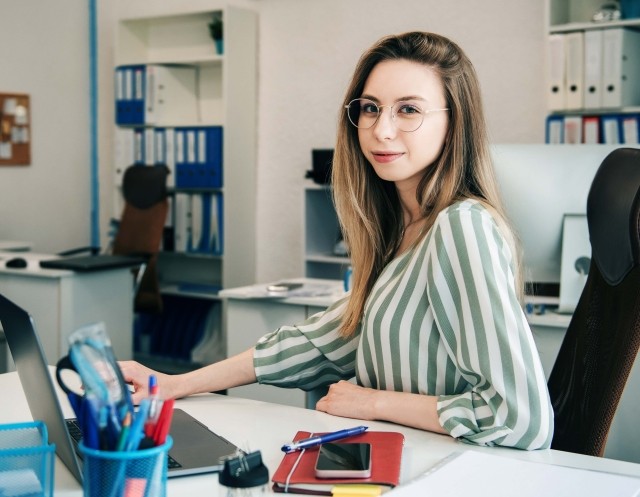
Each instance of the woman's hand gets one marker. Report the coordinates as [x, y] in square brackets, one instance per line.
[349, 401]
[137, 375]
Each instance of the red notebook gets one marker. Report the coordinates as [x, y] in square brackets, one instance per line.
[386, 457]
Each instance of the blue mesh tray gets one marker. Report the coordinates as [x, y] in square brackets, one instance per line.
[26, 460]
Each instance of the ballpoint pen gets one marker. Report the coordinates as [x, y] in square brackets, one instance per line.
[320, 439]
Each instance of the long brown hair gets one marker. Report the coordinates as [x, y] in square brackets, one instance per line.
[368, 207]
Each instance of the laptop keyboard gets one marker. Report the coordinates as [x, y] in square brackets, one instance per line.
[73, 427]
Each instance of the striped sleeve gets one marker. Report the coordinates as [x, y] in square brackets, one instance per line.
[307, 355]
[502, 395]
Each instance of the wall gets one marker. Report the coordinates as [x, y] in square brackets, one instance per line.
[44, 52]
[307, 52]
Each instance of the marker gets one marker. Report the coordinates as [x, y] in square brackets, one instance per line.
[321, 439]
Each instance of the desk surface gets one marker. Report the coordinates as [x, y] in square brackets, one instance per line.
[237, 420]
[314, 292]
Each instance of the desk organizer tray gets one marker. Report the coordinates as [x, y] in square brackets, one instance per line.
[26, 460]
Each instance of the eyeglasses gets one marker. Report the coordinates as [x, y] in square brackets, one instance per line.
[407, 115]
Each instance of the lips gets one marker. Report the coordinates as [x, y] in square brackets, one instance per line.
[386, 157]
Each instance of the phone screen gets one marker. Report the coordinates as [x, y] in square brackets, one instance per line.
[344, 460]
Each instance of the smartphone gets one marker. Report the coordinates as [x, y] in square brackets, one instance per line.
[344, 460]
[284, 286]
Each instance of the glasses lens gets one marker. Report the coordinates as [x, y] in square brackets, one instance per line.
[363, 113]
[408, 116]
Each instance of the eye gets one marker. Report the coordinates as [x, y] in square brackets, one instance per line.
[407, 109]
[369, 108]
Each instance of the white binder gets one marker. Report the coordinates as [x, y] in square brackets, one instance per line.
[572, 130]
[171, 96]
[574, 70]
[182, 221]
[593, 69]
[124, 155]
[556, 89]
[620, 67]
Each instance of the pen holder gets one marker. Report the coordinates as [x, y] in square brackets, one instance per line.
[137, 473]
[26, 460]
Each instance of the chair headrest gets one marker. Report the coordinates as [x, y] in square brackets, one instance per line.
[145, 186]
[613, 214]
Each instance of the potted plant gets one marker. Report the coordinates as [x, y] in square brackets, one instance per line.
[216, 31]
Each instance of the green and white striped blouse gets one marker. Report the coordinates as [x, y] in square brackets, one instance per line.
[442, 319]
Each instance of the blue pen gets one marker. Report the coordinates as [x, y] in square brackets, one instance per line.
[136, 431]
[321, 439]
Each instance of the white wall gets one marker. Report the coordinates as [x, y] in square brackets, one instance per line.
[308, 49]
[44, 53]
[307, 53]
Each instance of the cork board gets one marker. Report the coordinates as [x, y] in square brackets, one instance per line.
[15, 130]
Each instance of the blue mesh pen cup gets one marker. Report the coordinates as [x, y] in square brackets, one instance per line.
[120, 473]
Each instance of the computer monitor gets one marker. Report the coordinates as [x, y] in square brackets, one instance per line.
[539, 185]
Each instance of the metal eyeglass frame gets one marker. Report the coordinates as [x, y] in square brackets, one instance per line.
[393, 114]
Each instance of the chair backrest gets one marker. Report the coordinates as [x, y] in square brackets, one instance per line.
[141, 227]
[602, 340]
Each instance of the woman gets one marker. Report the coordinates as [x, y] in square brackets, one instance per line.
[432, 328]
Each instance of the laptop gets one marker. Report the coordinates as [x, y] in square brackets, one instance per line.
[196, 449]
[93, 262]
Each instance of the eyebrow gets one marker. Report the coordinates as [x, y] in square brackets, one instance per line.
[408, 97]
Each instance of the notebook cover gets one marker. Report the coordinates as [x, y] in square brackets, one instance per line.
[386, 457]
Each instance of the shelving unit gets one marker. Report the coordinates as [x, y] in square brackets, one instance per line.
[322, 231]
[173, 34]
[593, 66]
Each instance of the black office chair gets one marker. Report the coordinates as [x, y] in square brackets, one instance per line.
[602, 340]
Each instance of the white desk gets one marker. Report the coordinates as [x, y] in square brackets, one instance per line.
[248, 318]
[62, 301]
[263, 426]
[15, 246]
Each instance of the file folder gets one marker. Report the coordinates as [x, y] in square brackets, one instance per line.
[138, 146]
[630, 129]
[182, 221]
[209, 156]
[611, 133]
[574, 68]
[198, 239]
[556, 94]
[621, 66]
[591, 129]
[124, 154]
[555, 130]
[149, 147]
[171, 95]
[593, 69]
[572, 133]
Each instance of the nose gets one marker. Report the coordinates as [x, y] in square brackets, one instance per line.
[385, 126]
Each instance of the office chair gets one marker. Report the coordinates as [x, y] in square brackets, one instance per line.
[601, 343]
[141, 229]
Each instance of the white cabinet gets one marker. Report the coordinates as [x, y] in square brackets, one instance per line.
[173, 36]
[322, 233]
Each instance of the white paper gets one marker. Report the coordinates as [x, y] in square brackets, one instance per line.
[479, 474]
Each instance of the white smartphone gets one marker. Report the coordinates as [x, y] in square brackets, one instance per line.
[344, 460]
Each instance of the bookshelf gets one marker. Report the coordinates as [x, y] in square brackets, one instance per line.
[321, 234]
[217, 92]
[592, 87]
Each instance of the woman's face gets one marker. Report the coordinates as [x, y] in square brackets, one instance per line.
[397, 155]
